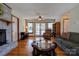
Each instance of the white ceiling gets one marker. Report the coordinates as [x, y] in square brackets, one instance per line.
[48, 10]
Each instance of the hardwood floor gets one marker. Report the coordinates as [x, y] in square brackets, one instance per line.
[24, 48]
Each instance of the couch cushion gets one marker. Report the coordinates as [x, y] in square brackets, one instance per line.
[65, 35]
[74, 37]
[69, 44]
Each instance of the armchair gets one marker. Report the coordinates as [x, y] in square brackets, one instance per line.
[47, 35]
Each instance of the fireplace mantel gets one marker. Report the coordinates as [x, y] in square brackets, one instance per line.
[6, 21]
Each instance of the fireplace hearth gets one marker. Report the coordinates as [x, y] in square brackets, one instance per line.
[2, 37]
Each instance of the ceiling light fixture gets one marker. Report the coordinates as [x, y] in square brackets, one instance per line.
[39, 18]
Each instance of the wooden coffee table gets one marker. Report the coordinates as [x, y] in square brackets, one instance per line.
[44, 48]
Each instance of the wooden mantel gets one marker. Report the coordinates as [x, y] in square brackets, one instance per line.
[6, 21]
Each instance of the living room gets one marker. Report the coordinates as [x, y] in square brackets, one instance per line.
[50, 22]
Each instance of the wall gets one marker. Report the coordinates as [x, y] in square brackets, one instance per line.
[21, 20]
[21, 24]
[73, 16]
[45, 20]
[74, 20]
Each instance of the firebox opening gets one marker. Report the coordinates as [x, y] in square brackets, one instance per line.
[2, 37]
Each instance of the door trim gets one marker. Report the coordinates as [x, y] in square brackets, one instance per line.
[17, 26]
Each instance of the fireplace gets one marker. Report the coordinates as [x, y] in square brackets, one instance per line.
[2, 37]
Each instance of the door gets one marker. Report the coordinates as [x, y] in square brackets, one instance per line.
[37, 33]
[66, 26]
[40, 29]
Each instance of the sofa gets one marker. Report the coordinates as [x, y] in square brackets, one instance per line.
[69, 44]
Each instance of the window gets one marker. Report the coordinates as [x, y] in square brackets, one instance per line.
[30, 26]
[50, 26]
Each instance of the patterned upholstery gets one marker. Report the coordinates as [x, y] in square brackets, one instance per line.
[47, 34]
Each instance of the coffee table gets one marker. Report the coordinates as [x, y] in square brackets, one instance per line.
[44, 48]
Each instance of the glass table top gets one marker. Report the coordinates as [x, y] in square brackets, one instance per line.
[43, 44]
